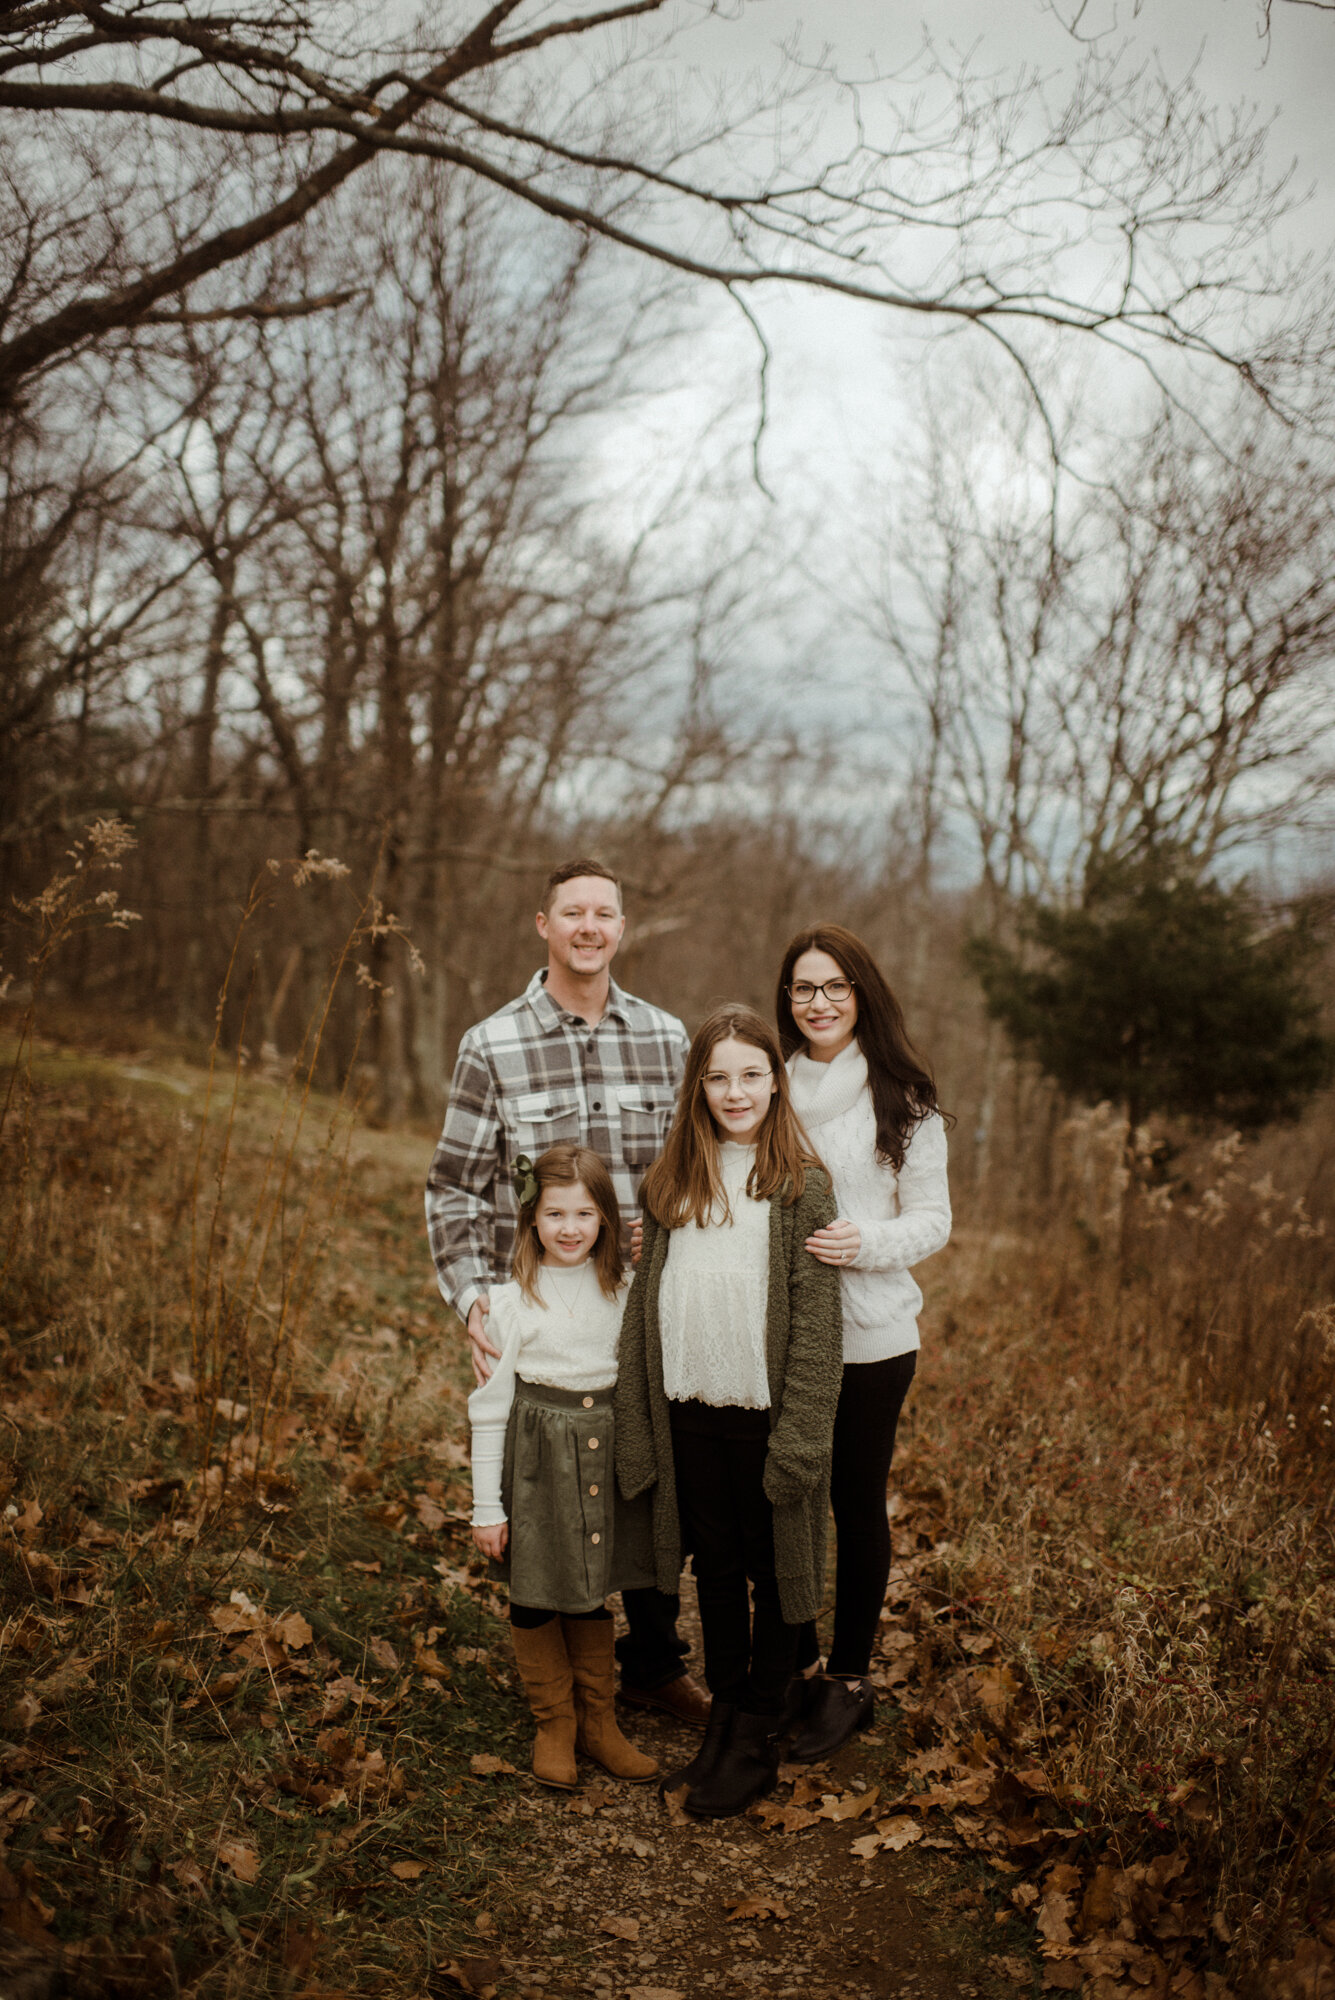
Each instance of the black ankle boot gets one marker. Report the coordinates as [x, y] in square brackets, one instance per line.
[796, 1701]
[705, 1758]
[835, 1712]
[747, 1768]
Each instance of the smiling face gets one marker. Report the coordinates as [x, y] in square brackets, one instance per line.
[583, 926]
[826, 1023]
[567, 1221]
[739, 1086]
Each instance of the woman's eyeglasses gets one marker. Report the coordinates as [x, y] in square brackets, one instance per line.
[835, 990]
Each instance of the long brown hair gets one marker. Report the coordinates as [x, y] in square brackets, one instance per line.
[903, 1089]
[685, 1183]
[567, 1165]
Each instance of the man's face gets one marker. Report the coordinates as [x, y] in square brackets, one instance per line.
[583, 926]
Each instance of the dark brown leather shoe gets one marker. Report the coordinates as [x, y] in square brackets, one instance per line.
[684, 1698]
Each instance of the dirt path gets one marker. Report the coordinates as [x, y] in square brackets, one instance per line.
[632, 1899]
[639, 1904]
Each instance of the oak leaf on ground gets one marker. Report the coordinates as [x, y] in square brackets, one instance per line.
[785, 1818]
[851, 1805]
[293, 1631]
[242, 1859]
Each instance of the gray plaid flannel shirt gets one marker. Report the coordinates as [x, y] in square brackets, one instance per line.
[526, 1077]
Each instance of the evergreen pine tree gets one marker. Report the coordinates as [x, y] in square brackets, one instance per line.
[1164, 991]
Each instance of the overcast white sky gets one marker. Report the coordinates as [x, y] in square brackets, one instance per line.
[841, 381]
[847, 379]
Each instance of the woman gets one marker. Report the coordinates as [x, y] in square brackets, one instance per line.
[869, 1106]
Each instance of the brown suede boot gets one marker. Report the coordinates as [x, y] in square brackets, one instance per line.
[544, 1668]
[589, 1645]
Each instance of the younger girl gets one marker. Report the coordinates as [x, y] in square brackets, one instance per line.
[730, 1363]
[544, 1502]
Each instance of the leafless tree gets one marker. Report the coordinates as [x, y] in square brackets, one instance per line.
[154, 148]
[1148, 659]
[395, 627]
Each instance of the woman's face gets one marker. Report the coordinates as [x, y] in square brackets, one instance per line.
[826, 1012]
[739, 1085]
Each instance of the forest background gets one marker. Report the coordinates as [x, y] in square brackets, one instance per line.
[416, 468]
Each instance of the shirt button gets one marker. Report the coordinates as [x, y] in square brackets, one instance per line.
[597, 1105]
[595, 1538]
[593, 1492]
[588, 1402]
[593, 1444]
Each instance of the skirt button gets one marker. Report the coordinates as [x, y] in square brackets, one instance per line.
[588, 1402]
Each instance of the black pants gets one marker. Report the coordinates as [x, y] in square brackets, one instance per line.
[727, 1524]
[870, 1399]
[650, 1653]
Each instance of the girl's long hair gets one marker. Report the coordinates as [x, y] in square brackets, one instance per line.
[903, 1089]
[567, 1165]
[685, 1183]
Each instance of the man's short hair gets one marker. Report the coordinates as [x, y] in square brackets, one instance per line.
[567, 873]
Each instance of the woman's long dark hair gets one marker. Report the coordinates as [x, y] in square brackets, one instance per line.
[903, 1089]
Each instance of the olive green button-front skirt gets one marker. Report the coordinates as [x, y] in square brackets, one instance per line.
[573, 1539]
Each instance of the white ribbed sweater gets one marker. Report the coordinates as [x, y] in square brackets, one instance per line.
[566, 1339]
[902, 1217]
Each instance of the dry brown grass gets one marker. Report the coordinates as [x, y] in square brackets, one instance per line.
[221, 1372]
[1157, 1562]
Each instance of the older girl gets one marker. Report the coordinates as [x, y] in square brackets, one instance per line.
[726, 1394]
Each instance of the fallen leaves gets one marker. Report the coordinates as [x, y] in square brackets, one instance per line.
[473, 1975]
[625, 1928]
[22, 1910]
[241, 1858]
[757, 1910]
[891, 1836]
[484, 1765]
[345, 1770]
[1056, 1911]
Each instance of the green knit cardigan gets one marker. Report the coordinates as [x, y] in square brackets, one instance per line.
[804, 1360]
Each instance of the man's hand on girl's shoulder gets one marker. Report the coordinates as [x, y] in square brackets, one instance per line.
[479, 1342]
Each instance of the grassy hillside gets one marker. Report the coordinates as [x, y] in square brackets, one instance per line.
[257, 1727]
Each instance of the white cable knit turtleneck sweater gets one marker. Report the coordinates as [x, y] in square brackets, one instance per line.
[902, 1217]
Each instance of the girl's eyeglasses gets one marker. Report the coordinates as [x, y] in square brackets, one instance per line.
[835, 990]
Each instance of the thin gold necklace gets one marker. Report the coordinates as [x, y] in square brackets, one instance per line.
[563, 1293]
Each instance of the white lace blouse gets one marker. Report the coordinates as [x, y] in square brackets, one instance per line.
[711, 1307]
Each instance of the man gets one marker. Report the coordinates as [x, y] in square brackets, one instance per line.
[572, 1058]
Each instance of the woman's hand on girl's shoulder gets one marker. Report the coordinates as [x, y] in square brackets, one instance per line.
[493, 1542]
